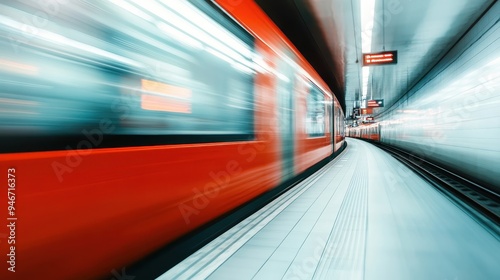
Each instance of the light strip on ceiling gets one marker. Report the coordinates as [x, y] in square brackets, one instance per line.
[367, 23]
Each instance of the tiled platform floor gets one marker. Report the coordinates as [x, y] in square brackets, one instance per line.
[363, 216]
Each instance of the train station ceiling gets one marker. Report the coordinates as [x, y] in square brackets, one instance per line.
[333, 34]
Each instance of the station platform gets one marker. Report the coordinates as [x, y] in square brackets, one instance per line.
[362, 216]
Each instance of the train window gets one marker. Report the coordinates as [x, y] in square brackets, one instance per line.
[329, 114]
[207, 89]
[315, 121]
[172, 69]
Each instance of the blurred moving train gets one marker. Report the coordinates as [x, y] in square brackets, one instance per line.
[128, 124]
[364, 131]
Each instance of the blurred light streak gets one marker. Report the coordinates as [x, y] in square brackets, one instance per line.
[283, 77]
[220, 55]
[17, 67]
[172, 18]
[52, 37]
[157, 87]
[181, 36]
[14, 102]
[262, 65]
[210, 27]
[164, 97]
[165, 104]
[132, 9]
[243, 68]
[17, 106]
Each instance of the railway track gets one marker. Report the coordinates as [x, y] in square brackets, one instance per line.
[478, 201]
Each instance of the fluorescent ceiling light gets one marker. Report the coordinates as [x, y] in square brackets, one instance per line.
[367, 23]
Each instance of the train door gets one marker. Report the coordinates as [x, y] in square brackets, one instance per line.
[286, 83]
[331, 114]
[378, 132]
[336, 125]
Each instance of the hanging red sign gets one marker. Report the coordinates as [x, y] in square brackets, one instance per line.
[375, 103]
[381, 58]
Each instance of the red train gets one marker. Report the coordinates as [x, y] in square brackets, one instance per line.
[365, 131]
[233, 111]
